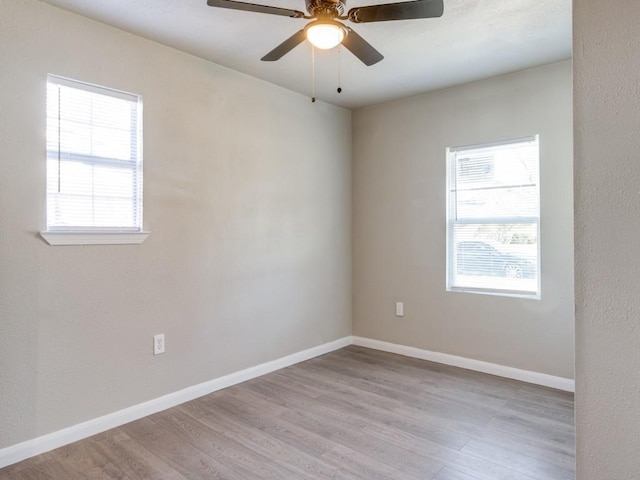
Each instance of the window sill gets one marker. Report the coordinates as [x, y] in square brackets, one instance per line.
[497, 292]
[94, 238]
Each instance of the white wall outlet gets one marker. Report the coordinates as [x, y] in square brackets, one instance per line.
[158, 344]
[399, 309]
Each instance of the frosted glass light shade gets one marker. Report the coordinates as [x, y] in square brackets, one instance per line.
[325, 35]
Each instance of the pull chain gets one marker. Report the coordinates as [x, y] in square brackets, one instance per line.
[339, 70]
[59, 131]
[313, 74]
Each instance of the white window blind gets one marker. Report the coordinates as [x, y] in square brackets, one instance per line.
[493, 218]
[94, 158]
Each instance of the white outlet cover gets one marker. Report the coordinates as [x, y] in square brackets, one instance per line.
[158, 344]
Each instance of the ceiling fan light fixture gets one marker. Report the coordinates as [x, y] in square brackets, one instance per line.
[325, 34]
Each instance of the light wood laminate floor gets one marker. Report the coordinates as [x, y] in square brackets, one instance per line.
[351, 414]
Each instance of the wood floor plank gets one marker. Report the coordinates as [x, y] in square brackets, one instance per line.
[81, 460]
[50, 469]
[543, 448]
[414, 424]
[240, 418]
[132, 459]
[365, 466]
[385, 451]
[221, 447]
[353, 414]
[486, 469]
[554, 434]
[544, 409]
[251, 435]
[399, 412]
[451, 474]
[537, 466]
[184, 458]
[427, 400]
[437, 373]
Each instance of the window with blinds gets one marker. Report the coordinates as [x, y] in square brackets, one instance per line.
[94, 158]
[493, 212]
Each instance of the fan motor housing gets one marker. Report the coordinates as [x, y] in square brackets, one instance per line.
[326, 7]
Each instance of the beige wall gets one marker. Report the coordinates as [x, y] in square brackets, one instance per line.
[249, 256]
[607, 226]
[399, 221]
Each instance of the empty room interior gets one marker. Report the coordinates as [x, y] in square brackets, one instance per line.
[407, 254]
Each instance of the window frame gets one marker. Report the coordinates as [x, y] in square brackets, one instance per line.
[451, 222]
[99, 235]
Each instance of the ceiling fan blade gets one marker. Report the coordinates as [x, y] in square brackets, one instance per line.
[361, 48]
[285, 47]
[397, 11]
[252, 7]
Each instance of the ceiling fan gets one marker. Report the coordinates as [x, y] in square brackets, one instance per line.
[325, 31]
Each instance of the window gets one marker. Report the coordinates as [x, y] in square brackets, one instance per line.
[94, 162]
[493, 213]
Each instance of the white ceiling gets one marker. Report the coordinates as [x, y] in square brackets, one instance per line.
[474, 39]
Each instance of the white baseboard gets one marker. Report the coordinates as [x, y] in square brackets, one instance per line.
[543, 379]
[45, 443]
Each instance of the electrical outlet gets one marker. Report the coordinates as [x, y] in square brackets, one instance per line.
[158, 344]
[399, 309]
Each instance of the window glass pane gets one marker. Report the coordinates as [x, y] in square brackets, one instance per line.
[93, 162]
[113, 211]
[111, 143]
[498, 256]
[67, 210]
[493, 218]
[114, 182]
[497, 202]
[498, 166]
[74, 137]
